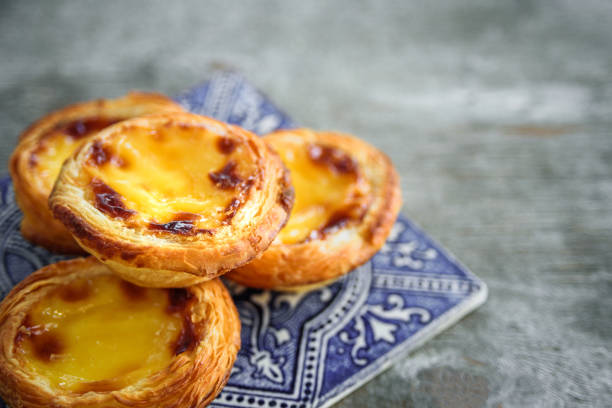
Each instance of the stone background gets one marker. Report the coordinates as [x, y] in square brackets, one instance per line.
[497, 114]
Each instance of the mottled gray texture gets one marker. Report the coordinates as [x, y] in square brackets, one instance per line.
[497, 114]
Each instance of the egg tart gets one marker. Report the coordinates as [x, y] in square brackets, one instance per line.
[74, 334]
[44, 146]
[347, 198]
[172, 200]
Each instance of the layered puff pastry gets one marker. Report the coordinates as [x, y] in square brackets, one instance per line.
[347, 198]
[44, 146]
[73, 334]
[175, 199]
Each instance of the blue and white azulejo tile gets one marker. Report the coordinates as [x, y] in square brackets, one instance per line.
[305, 349]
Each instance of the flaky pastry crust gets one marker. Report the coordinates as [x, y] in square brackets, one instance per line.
[192, 379]
[157, 258]
[32, 194]
[324, 257]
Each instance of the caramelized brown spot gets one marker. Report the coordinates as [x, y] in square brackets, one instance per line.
[20, 336]
[226, 178]
[27, 329]
[129, 255]
[99, 386]
[33, 159]
[226, 145]
[180, 227]
[47, 345]
[187, 337]
[133, 292]
[99, 155]
[186, 216]
[246, 186]
[337, 221]
[75, 291]
[334, 158]
[231, 210]
[234, 205]
[178, 303]
[175, 227]
[84, 127]
[109, 201]
[178, 299]
[182, 224]
[286, 198]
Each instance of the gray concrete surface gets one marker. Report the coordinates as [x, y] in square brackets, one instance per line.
[498, 115]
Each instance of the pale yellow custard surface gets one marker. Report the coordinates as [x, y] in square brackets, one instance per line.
[56, 145]
[321, 192]
[162, 173]
[99, 334]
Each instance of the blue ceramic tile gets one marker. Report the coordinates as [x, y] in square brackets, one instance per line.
[306, 349]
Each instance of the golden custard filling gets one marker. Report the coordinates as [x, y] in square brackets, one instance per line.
[329, 188]
[59, 143]
[103, 333]
[176, 178]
